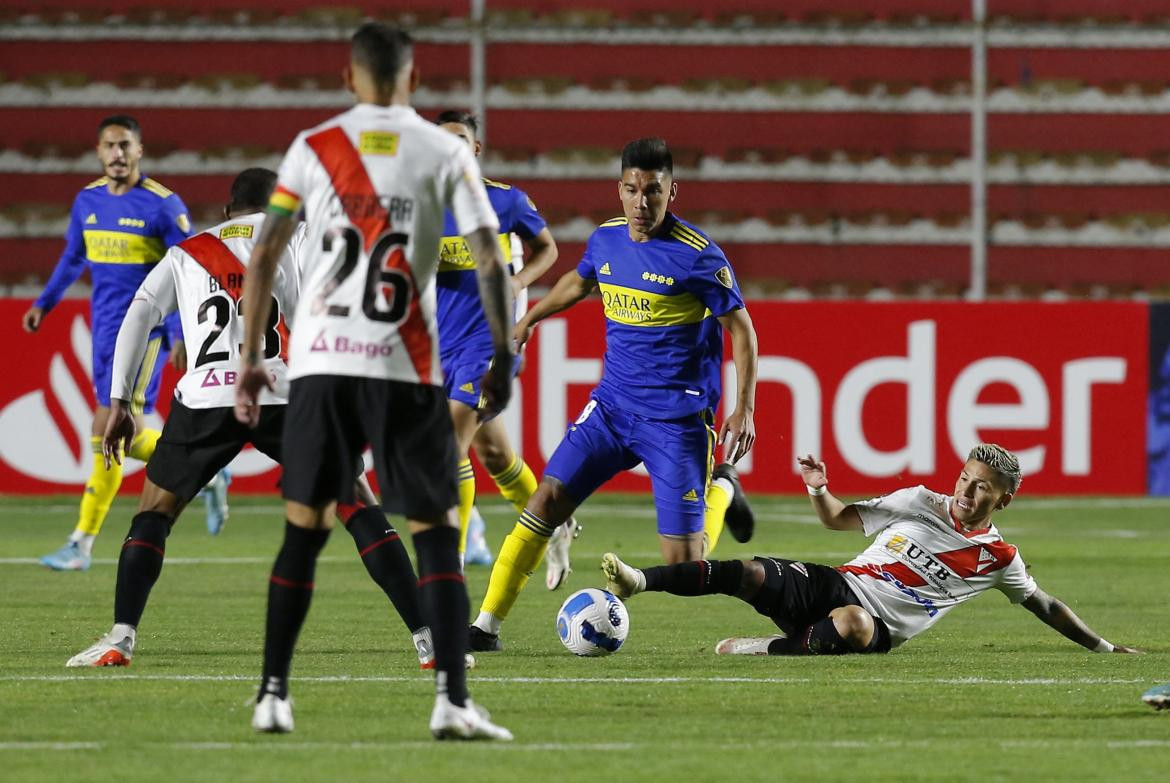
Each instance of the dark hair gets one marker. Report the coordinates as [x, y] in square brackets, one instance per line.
[122, 121]
[459, 117]
[252, 189]
[381, 49]
[650, 154]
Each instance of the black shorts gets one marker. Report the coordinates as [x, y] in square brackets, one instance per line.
[196, 443]
[796, 594]
[332, 418]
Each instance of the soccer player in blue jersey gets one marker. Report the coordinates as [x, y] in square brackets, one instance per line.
[668, 294]
[120, 226]
[465, 344]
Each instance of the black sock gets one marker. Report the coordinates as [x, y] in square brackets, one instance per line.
[385, 558]
[139, 564]
[820, 638]
[443, 596]
[290, 590]
[699, 577]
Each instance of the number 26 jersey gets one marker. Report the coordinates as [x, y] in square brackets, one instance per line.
[374, 183]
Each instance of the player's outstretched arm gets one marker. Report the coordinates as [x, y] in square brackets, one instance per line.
[738, 432]
[1056, 614]
[495, 293]
[569, 290]
[833, 514]
[257, 299]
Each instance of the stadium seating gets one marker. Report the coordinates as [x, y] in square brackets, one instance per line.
[825, 144]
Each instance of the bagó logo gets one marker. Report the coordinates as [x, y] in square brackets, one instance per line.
[32, 441]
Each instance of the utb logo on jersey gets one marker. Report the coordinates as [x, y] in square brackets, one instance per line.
[237, 231]
[378, 143]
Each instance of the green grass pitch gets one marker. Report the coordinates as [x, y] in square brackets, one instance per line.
[990, 694]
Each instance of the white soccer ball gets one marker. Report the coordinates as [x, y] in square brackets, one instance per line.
[593, 622]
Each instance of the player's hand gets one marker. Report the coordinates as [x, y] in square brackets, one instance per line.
[521, 333]
[253, 379]
[813, 471]
[31, 321]
[179, 356]
[496, 387]
[1121, 648]
[119, 433]
[737, 435]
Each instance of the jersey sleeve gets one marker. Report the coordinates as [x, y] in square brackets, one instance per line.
[466, 196]
[69, 266]
[154, 299]
[587, 267]
[713, 282]
[292, 180]
[525, 220]
[173, 224]
[1015, 582]
[878, 513]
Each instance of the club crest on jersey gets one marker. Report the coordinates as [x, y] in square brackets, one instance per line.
[724, 277]
[378, 143]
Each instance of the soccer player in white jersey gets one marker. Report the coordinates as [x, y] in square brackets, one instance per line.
[201, 278]
[364, 364]
[930, 553]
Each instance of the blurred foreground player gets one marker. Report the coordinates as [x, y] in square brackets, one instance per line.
[465, 346]
[668, 293]
[364, 363]
[120, 226]
[200, 278]
[931, 552]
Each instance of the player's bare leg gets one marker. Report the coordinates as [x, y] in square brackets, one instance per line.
[139, 565]
[681, 548]
[519, 556]
[465, 424]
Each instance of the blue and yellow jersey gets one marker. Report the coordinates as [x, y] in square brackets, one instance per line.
[462, 324]
[664, 344]
[120, 238]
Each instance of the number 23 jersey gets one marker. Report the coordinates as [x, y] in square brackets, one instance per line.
[375, 182]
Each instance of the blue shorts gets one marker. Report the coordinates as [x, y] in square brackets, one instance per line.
[678, 455]
[462, 372]
[149, 377]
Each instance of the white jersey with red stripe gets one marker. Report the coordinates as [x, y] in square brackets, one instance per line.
[922, 564]
[203, 277]
[374, 183]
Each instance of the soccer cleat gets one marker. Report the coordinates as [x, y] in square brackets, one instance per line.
[477, 548]
[215, 499]
[557, 557]
[740, 520]
[1158, 697]
[745, 645]
[470, 722]
[68, 558]
[620, 579]
[425, 647]
[104, 652]
[273, 715]
[479, 640]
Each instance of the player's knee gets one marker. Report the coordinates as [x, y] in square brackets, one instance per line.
[752, 579]
[855, 626]
[493, 457]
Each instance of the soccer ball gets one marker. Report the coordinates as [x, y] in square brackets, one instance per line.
[593, 622]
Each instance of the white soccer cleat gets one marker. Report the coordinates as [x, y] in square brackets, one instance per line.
[557, 558]
[620, 579]
[216, 499]
[470, 722]
[106, 651]
[273, 715]
[745, 645]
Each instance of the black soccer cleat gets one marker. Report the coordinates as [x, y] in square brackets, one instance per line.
[740, 520]
[479, 640]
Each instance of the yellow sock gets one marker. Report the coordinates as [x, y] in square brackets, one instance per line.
[519, 556]
[517, 483]
[718, 499]
[466, 500]
[143, 444]
[99, 491]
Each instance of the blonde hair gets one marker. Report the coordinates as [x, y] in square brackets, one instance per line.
[1001, 461]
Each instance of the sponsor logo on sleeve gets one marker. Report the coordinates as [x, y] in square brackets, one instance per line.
[724, 277]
